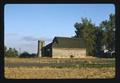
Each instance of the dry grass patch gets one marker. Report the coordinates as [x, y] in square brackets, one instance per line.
[58, 73]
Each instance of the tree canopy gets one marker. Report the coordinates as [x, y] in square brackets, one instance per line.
[96, 37]
[86, 30]
[11, 52]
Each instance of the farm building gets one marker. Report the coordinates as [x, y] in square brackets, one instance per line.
[63, 47]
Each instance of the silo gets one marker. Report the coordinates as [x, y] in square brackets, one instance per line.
[41, 44]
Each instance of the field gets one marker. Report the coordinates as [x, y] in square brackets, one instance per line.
[48, 68]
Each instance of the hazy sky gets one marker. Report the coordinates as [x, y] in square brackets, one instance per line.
[26, 23]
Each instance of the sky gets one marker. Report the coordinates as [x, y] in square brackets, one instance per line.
[25, 24]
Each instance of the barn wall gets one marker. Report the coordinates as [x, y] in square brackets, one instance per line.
[68, 53]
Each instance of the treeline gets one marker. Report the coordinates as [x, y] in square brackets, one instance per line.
[97, 38]
[27, 55]
[12, 52]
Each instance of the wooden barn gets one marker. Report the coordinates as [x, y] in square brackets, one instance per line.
[64, 47]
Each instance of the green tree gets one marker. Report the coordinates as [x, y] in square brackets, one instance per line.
[86, 30]
[11, 52]
[96, 37]
[108, 31]
[5, 50]
[98, 42]
[24, 54]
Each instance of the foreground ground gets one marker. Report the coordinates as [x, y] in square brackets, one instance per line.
[47, 68]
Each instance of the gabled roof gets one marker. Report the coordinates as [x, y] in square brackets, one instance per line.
[66, 42]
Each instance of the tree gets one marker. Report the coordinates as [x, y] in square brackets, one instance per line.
[86, 30]
[108, 28]
[96, 37]
[98, 42]
[24, 54]
[11, 52]
[27, 55]
[5, 50]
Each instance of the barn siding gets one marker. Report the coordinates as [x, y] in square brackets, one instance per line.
[67, 52]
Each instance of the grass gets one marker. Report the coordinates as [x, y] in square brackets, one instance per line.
[57, 73]
[85, 68]
[52, 60]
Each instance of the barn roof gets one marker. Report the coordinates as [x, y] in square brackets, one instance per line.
[66, 42]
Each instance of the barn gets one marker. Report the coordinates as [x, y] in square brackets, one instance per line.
[63, 47]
